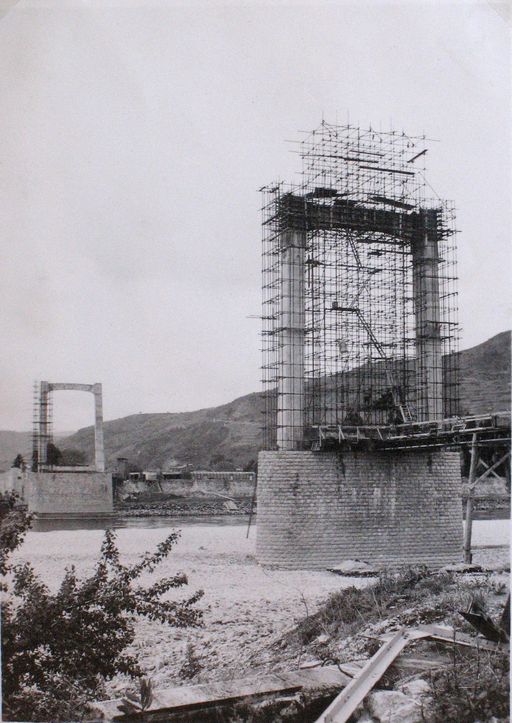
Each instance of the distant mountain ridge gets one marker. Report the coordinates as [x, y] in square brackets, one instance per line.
[230, 435]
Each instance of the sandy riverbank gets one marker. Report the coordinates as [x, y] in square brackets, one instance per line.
[245, 606]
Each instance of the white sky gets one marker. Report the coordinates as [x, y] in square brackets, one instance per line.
[134, 137]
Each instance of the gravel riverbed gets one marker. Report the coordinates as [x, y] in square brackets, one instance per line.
[245, 606]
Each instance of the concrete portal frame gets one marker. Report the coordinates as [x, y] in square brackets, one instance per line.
[43, 434]
[418, 235]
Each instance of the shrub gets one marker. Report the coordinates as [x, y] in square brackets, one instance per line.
[475, 687]
[136, 704]
[58, 649]
[192, 665]
[14, 524]
[346, 610]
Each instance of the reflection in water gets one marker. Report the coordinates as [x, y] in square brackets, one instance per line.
[141, 522]
[486, 533]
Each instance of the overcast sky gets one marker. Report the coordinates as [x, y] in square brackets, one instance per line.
[134, 138]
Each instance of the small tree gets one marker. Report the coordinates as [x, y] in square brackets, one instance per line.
[71, 457]
[58, 649]
[19, 462]
[192, 665]
[53, 454]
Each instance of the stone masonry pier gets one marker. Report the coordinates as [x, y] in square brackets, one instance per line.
[316, 509]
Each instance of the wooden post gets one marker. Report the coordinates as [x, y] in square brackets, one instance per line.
[469, 501]
[253, 502]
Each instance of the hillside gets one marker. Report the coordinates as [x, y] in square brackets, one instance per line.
[222, 437]
[485, 376]
[12, 443]
[230, 435]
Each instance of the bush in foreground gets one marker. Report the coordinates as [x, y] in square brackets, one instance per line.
[58, 649]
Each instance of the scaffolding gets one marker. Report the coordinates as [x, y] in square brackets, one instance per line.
[359, 289]
[45, 456]
[42, 426]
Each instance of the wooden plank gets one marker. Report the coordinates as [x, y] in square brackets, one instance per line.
[422, 663]
[449, 635]
[344, 705]
[194, 697]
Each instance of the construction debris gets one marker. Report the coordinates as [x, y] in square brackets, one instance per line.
[354, 568]
[496, 632]
[346, 703]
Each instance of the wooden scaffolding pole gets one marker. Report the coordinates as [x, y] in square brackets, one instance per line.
[469, 501]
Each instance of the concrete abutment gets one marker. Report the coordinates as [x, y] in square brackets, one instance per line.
[65, 495]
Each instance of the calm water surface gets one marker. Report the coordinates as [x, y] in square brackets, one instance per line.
[485, 532]
[118, 522]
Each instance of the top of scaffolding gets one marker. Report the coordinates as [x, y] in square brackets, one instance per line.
[385, 169]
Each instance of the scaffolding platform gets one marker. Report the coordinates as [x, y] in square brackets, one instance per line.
[490, 430]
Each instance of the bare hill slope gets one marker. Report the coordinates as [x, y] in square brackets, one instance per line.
[222, 437]
[485, 376]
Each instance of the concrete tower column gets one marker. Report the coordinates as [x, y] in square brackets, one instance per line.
[290, 387]
[99, 450]
[429, 362]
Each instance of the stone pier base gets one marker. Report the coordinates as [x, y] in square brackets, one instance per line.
[316, 509]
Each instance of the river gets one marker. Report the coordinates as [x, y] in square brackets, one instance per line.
[486, 533]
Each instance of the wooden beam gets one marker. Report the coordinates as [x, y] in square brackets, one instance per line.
[348, 700]
[486, 466]
[489, 470]
[170, 703]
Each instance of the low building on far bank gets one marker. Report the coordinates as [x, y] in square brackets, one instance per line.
[234, 483]
[184, 483]
[228, 476]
